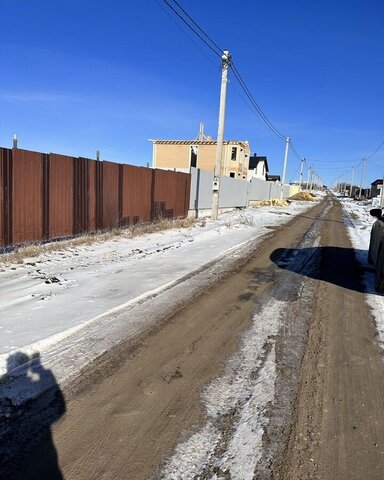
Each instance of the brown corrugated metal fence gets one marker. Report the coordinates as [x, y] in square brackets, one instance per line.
[111, 192]
[54, 196]
[27, 196]
[60, 196]
[171, 193]
[136, 198]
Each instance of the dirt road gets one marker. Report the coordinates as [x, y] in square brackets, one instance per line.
[273, 372]
[339, 427]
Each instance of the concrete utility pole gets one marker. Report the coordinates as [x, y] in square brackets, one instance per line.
[353, 177]
[226, 62]
[308, 177]
[301, 172]
[362, 177]
[14, 140]
[287, 141]
[312, 173]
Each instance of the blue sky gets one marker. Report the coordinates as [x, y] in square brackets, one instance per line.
[80, 76]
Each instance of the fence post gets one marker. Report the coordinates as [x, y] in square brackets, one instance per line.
[6, 200]
[121, 174]
[99, 195]
[153, 185]
[46, 195]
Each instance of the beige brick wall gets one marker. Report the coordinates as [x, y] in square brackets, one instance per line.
[178, 156]
[207, 157]
[171, 156]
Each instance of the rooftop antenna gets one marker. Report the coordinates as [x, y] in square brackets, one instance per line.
[201, 132]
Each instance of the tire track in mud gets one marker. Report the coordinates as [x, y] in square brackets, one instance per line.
[338, 432]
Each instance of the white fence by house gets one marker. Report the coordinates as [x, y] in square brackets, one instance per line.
[260, 190]
[233, 193]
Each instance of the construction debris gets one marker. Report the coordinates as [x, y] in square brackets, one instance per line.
[304, 196]
[274, 202]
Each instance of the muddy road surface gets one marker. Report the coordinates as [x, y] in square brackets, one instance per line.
[272, 372]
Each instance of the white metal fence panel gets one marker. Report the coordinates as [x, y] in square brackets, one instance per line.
[233, 193]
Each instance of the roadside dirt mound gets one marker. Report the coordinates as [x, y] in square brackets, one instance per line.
[305, 196]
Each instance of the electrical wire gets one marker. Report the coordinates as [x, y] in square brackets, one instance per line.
[214, 47]
[198, 26]
[214, 50]
[295, 172]
[294, 151]
[186, 33]
[187, 19]
[253, 101]
[375, 151]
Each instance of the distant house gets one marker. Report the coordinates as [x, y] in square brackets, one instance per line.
[376, 187]
[181, 155]
[365, 193]
[258, 167]
[273, 178]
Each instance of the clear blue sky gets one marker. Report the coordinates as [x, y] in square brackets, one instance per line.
[78, 76]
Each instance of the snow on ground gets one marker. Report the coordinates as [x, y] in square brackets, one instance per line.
[49, 297]
[359, 223]
[247, 386]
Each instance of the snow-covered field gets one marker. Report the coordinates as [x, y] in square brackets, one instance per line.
[72, 305]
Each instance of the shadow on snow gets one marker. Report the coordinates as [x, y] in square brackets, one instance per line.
[30, 402]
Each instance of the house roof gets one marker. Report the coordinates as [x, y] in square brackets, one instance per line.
[199, 142]
[254, 160]
[379, 181]
[273, 178]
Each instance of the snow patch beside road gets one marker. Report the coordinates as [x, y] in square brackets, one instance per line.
[359, 224]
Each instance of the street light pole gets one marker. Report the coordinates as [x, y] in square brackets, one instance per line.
[226, 62]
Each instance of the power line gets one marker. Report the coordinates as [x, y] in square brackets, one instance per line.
[294, 151]
[255, 104]
[185, 32]
[214, 50]
[294, 174]
[375, 151]
[187, 19]
[198, 26]
[214, 47]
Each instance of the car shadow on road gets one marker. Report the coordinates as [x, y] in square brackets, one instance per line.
[340, 266]
[30, 402]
